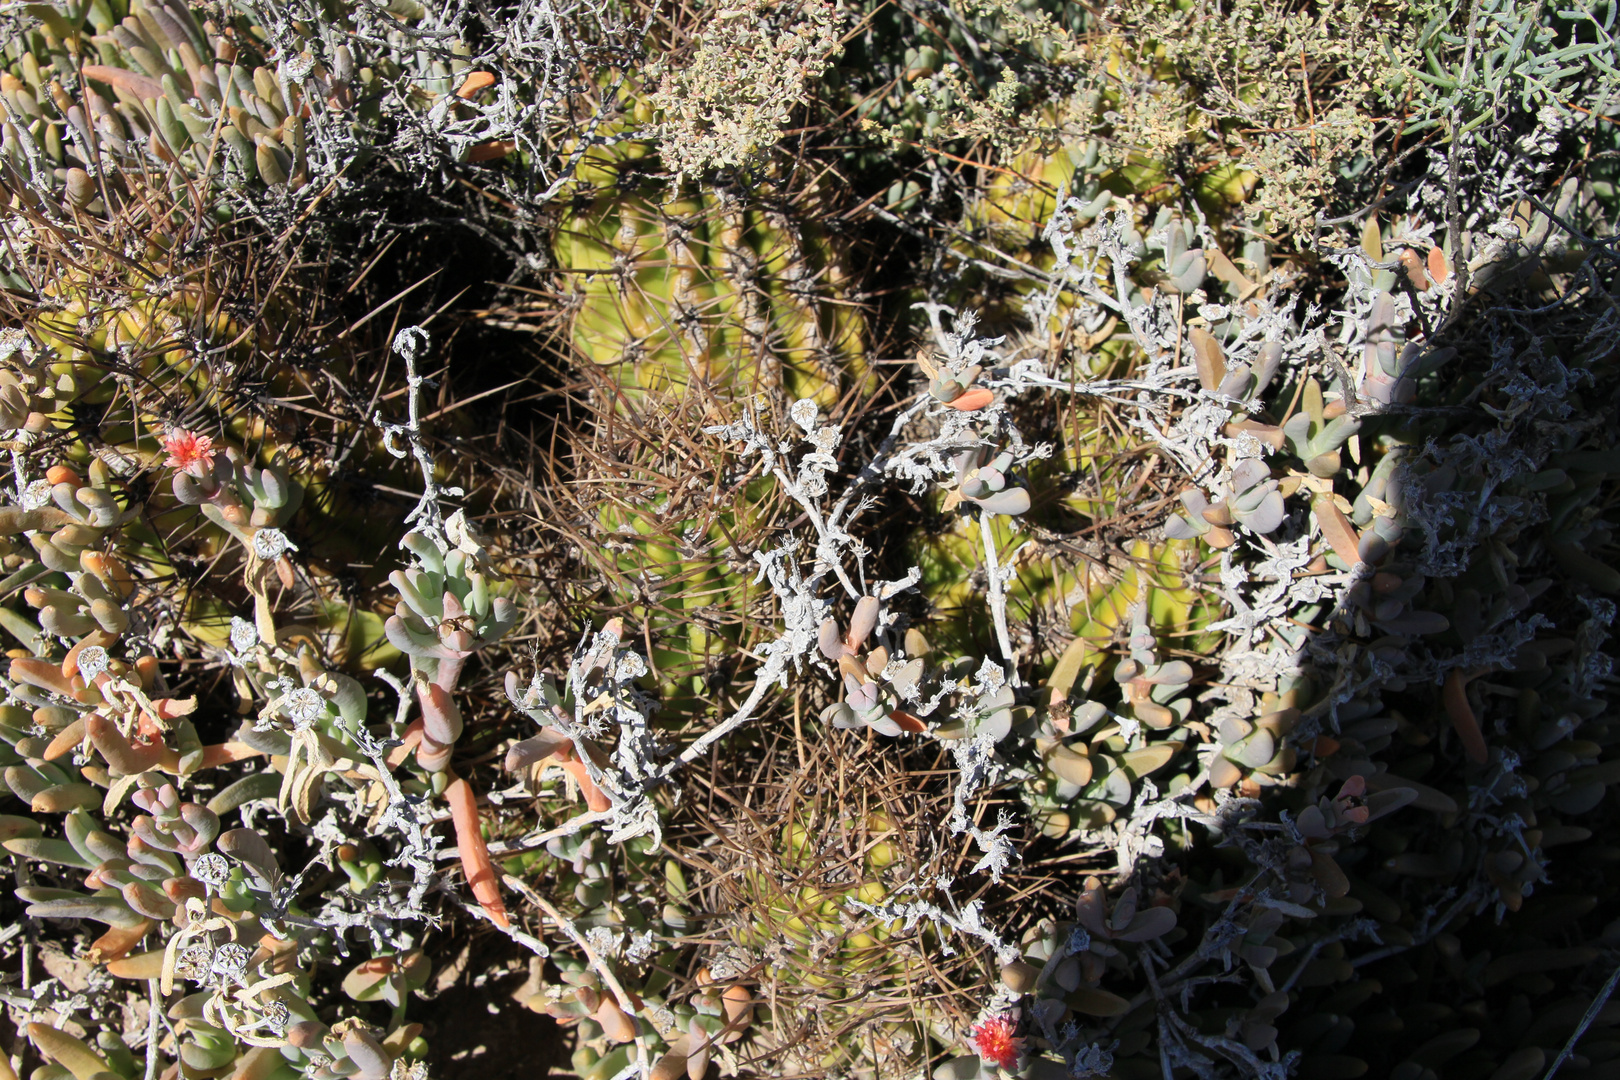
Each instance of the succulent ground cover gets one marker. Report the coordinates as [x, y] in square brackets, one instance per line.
[795, 540]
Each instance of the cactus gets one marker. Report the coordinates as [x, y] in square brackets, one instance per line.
[687, 303]
[1269, 635]
[793, 908]
[136, 348]
[678, 288]
[696, 604]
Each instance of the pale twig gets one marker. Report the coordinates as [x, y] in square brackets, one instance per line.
[528, 941]
[568, 828]
[418, 851]
[427, 515]
[998, 596]
[1166, 1069]
[767, 677]
[153, 1007]
[1592, 1011]
[1424, 938]
[872, 471]
[828, 541]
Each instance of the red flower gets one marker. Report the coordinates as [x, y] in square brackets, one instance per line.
[996, 1043]
[189, 453]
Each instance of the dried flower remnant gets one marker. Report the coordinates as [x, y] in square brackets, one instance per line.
[303, 706]
[92, 661]
[271, 544]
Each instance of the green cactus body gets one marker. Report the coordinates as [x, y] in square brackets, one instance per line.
[705, 602]
[797, 909]
[676, 289]
[1006, 215]
[1051, 588]
[141, 315]
[691, 302]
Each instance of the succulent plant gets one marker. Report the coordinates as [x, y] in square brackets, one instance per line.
[92, 730]
[447, 611]
[176, 863]
[601, 687]
[875, 685]
[1327, 760]
[1089, 767]
[224, 95]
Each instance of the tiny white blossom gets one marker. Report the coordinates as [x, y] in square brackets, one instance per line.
[804, 413]
[606, 942]
[303, 705]
[93, 661]
[271, 544]
[244, 635]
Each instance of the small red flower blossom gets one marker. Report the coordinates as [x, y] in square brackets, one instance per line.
[996, 1043]
[189, 453]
